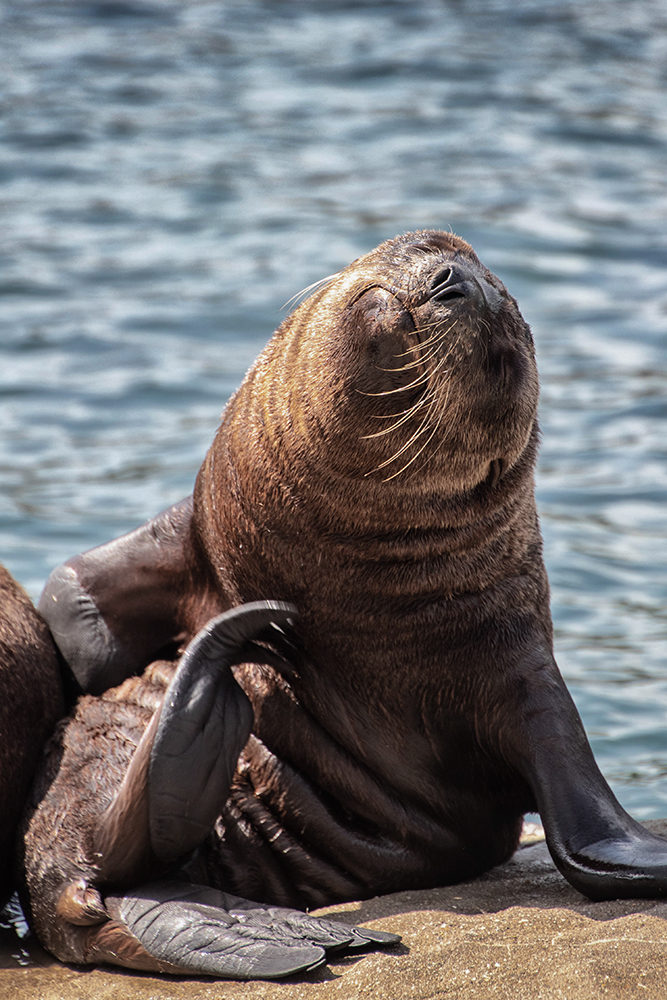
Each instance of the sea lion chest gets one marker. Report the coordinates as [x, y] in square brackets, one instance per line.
[379, 730]
[416, 570]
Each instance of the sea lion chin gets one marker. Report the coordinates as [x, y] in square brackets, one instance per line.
[367, 698]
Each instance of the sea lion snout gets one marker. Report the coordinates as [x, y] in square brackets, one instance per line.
[461, 280]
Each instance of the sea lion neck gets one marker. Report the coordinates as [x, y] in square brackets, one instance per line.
[306, 529]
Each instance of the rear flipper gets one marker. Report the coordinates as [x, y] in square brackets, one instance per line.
[177, 927]
[169, 796]
[181, 772]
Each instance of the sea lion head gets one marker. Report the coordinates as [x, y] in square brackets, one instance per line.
[412, 364]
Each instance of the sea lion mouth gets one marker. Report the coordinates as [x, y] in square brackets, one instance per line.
[497, 470]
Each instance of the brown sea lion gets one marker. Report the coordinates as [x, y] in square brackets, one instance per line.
[375, 469]
[30, 703]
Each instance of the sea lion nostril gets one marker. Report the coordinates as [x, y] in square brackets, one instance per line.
[447, 284]
[449, 293]
[441, 278]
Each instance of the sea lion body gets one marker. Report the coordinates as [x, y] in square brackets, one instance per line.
[413, 591]
[375, 470]
[31, 701]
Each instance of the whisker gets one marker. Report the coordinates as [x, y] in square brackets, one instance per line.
[315, 287]
[413, 333]
[399, 423]
[404, 417]
[420, 361]
[420, 430]
[434, 401]
[424, 377]
[415, 457]
[436, 428]
[436, 338]
[401, 388]
[431, 412]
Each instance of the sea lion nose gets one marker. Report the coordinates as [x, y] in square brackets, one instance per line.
[458, 280]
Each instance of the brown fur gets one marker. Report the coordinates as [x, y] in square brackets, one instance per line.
[30, 703]
[388, 754]
[415, 593]
[84, 765]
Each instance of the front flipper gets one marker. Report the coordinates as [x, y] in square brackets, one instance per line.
[116, 608]
[181, 772]
[600, 849]
[178, 927]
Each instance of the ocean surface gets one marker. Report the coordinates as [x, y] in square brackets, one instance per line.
[172, 172]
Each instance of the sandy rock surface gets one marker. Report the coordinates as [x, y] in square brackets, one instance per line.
[519, 932]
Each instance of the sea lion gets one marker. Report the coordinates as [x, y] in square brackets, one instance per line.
[31, 701]
[375, 470]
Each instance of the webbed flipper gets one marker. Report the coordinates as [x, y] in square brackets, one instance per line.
[178, 927]
[204, 722]
[599, 848]
[120, 606]
[181, 772]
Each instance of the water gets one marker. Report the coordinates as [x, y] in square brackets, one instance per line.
[171, 173]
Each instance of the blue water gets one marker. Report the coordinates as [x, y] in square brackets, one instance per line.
[172, 172]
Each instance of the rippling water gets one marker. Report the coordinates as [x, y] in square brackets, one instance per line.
[171, 173]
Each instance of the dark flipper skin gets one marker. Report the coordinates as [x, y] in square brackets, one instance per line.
[115, 609]
[600, 849]
[200, 930]
[181, 772]
[203, 725]
[169, 792]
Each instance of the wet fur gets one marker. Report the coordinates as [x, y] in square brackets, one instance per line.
[30, 702]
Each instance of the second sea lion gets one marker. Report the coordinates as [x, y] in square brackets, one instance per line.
[31, 701]
[375, 470]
